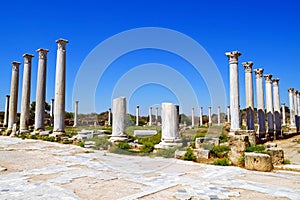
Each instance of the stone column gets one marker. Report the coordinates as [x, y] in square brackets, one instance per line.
[193, 117]
[25, 103]
[170, 126]
[200, 116]
[283, 115]
[296, 109]
[76, 114]
[249, 95]
[234, 89]
[13, 100]
[260, 103]
[269, 104]
[150, 116]
[209, 117]
[6, 110]
[276, 101]
[119, 119]
[41, 91]
[156, 116]
[51, 111]
[109, 117]
[228, 114]
[60, 88]
[292, 110]
[137, 113]
[219, 116]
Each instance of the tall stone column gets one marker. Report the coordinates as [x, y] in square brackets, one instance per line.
[209, 117]
[76, 114]
[269, 104]
[170, 126]
[234, 89]
[228, 114]
[260, 103]
[200, 116]
[150, 116]
[296, 109]
[283, 114]
[156, 116]
[25, 103]
[219, 116]
[193, 117]
[249, 95]
[276, 101]
[293, 127]
[119, 119]
[60, 88]
[6, 110]
[39, 124]
[137, 113]
[109, 117]
[13, 100]
[51, 111]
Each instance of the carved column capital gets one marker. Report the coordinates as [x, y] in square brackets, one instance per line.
[268, 77]
[233, 56]
[42, 53]
[62, 44]
[290, 90]
[275, 81]
[259, 72]
[248, 66]
[15, 65]
[27, 58]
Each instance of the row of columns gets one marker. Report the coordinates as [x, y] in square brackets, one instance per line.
[294, 100]
[58, 113]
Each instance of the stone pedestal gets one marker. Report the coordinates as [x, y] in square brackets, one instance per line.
[119, 120]
[209, 117]
[170, 126]
[234, 89]
[150, 116]
[13, 100]
[137, 111]
[39, 122]
[60, 88]
[260, 103]
[6, 110]
[193, 117]
[292, 127]
[76, 114]
[200, 116]
[25, 103]
[249, 95]
[277, 113]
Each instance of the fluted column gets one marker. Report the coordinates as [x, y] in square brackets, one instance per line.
[249, 95]
[137, 111]
[150, 116]
[76, 114]
[200, 116]
[269, 104]
[13, 100]
[6, 110]
[60, 88]
[219, 115]
[51, 111]
[260, 102]
[25, 103]
[283, 115]
[209, 117]
[276, 101]
[41, 91]
[109, 117]
[228, 114]
[193, 117]
[292, 110]
[156, 116]
[234, 89]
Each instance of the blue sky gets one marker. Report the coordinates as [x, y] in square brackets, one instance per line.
[266, 33]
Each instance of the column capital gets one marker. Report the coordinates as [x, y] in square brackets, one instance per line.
[228, 106]
[42, 53]
[209, 107]
[233, 56]
[268, 77]
[259, 72]
[137, 106]
[296, 92]
[27, 58]
[62, 43]
[275, 81]
[7, 96]
[283, 104]
[76, 102]
[290, 90]
[248, 66]
[15, 65]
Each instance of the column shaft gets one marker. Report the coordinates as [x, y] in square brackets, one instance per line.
[260, 103]
[269, 104]
[119, 117]
[277, 113]
[200, 116]
[209, 117]
[219, 116]
[6, 110]
[283, 115]
[109, 117]
[51, 111]
[137, 113]
[76, 114]
[150, 116]
[292, 109]
[228, 114]
[193, 117]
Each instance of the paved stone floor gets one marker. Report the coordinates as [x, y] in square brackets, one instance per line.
[31, 169]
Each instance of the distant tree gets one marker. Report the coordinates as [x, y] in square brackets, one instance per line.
[32, 109]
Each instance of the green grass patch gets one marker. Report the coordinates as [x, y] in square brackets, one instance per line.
[256, 149]
[189, 155]
[222, 162]
[286, 161]
[219, 151]
[223, 138]
[101, 143]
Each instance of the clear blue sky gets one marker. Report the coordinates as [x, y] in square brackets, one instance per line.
[266, 32]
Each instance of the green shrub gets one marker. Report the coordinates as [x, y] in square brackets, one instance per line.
[100, 142]
[198, 135]
[166, 153]
[189, 155]
[223, 138]
[256, 148]
[34, 137]
[286, 161]
[81, 144]
[219, 151]
[242, 159]
[147, 147]
[49, 139]
[222, 162]
[123, 145]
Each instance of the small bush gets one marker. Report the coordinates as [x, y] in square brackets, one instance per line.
[147, 147]
[34, 137]
[223, 138]
[222, 162]
[81, 144]
[198, 135]
[219, 151]
[123, 145]
[242, 159]
[189, 155]
[286, 161]
[256, 148]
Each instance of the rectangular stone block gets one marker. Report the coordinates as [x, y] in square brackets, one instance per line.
[202, 153]
[258, 162]
[199, 142]
[277, 155]
[142, 133]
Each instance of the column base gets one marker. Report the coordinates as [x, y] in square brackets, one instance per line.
[57, 134]
[118, 138]
[24, 131]
[168, 143]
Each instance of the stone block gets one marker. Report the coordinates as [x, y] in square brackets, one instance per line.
[179, 154]
[277, 155]
[201, 141]
[89, 144]
[144, 133]
[202, 153]
[258, 161]
[238, 145]
[45, 133]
